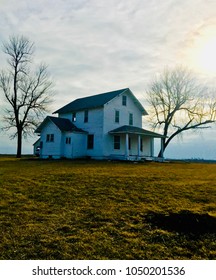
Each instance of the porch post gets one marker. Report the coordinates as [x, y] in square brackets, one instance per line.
[126, 146]
[138, 147]
[152, 147]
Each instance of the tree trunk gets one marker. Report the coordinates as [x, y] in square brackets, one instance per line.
[162, 149]
[160, 153]
[166, 142]
[19, 143]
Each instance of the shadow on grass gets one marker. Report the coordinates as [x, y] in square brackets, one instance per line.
[183, 222]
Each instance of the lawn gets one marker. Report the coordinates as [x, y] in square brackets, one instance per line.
[106, 210]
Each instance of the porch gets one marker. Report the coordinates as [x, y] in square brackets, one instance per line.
[134, 143]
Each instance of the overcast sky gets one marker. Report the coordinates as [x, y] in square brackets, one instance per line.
[95, 46]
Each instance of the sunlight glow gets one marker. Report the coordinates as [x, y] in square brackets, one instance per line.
[202, 54]
[207, 56]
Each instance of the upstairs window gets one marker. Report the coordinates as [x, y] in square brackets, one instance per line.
[130, 119]
[86, 116]
[124, 100]
[117, 116]
[73, 117]
[50, 138]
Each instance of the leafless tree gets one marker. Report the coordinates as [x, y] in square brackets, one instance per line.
[178, 103]
[27, 92]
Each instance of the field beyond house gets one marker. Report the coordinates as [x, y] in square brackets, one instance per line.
[106, 210]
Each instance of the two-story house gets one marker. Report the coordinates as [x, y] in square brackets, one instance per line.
[102, 126]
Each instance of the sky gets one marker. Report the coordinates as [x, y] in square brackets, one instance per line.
[96, 46]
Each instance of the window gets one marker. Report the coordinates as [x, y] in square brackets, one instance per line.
[141, 144]
[73, 117]
[129, 143]
[117, 116]
[68, 140]
[90, 144]
[124, 100]
[116, 142]
[86, 116]
[50, 138]
[130, 119]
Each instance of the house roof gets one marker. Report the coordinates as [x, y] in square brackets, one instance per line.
[36, 142]
[96, 101]
[135, 130]
[62, 123]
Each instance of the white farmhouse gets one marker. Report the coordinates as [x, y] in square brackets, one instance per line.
[102, 126]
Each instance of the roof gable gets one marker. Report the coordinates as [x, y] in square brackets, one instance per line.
[137, 103]
[89, 102]
[96, 101]
[62, 123]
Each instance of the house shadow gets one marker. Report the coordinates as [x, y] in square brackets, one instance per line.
[185, 222]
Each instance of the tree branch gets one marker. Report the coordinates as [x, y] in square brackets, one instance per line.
[179, 103]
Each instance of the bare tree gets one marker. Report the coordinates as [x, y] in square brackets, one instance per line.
[27, 92]
[178, 103]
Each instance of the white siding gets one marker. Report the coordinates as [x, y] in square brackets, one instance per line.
[59, 148]
[110, 124]
[116, 104]
[79, 145]
[51, 148]
[67, 148]
[93, 126]
[100, 122]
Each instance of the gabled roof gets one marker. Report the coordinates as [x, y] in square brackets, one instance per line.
[96, 101]
[62, 123]
[135, 130]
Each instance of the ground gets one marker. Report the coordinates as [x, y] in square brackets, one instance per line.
[67, 209]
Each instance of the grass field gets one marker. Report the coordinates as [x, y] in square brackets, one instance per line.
[106, 210]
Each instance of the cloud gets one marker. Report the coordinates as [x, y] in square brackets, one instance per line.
[96, 46]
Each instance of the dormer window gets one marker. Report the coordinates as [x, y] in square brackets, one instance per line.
[73, 117]
[124, 100]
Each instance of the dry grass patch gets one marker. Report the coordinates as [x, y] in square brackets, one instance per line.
[105, 210]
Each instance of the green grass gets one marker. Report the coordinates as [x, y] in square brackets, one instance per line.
[105, 210]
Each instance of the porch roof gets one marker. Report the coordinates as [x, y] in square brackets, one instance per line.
[135, 130]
